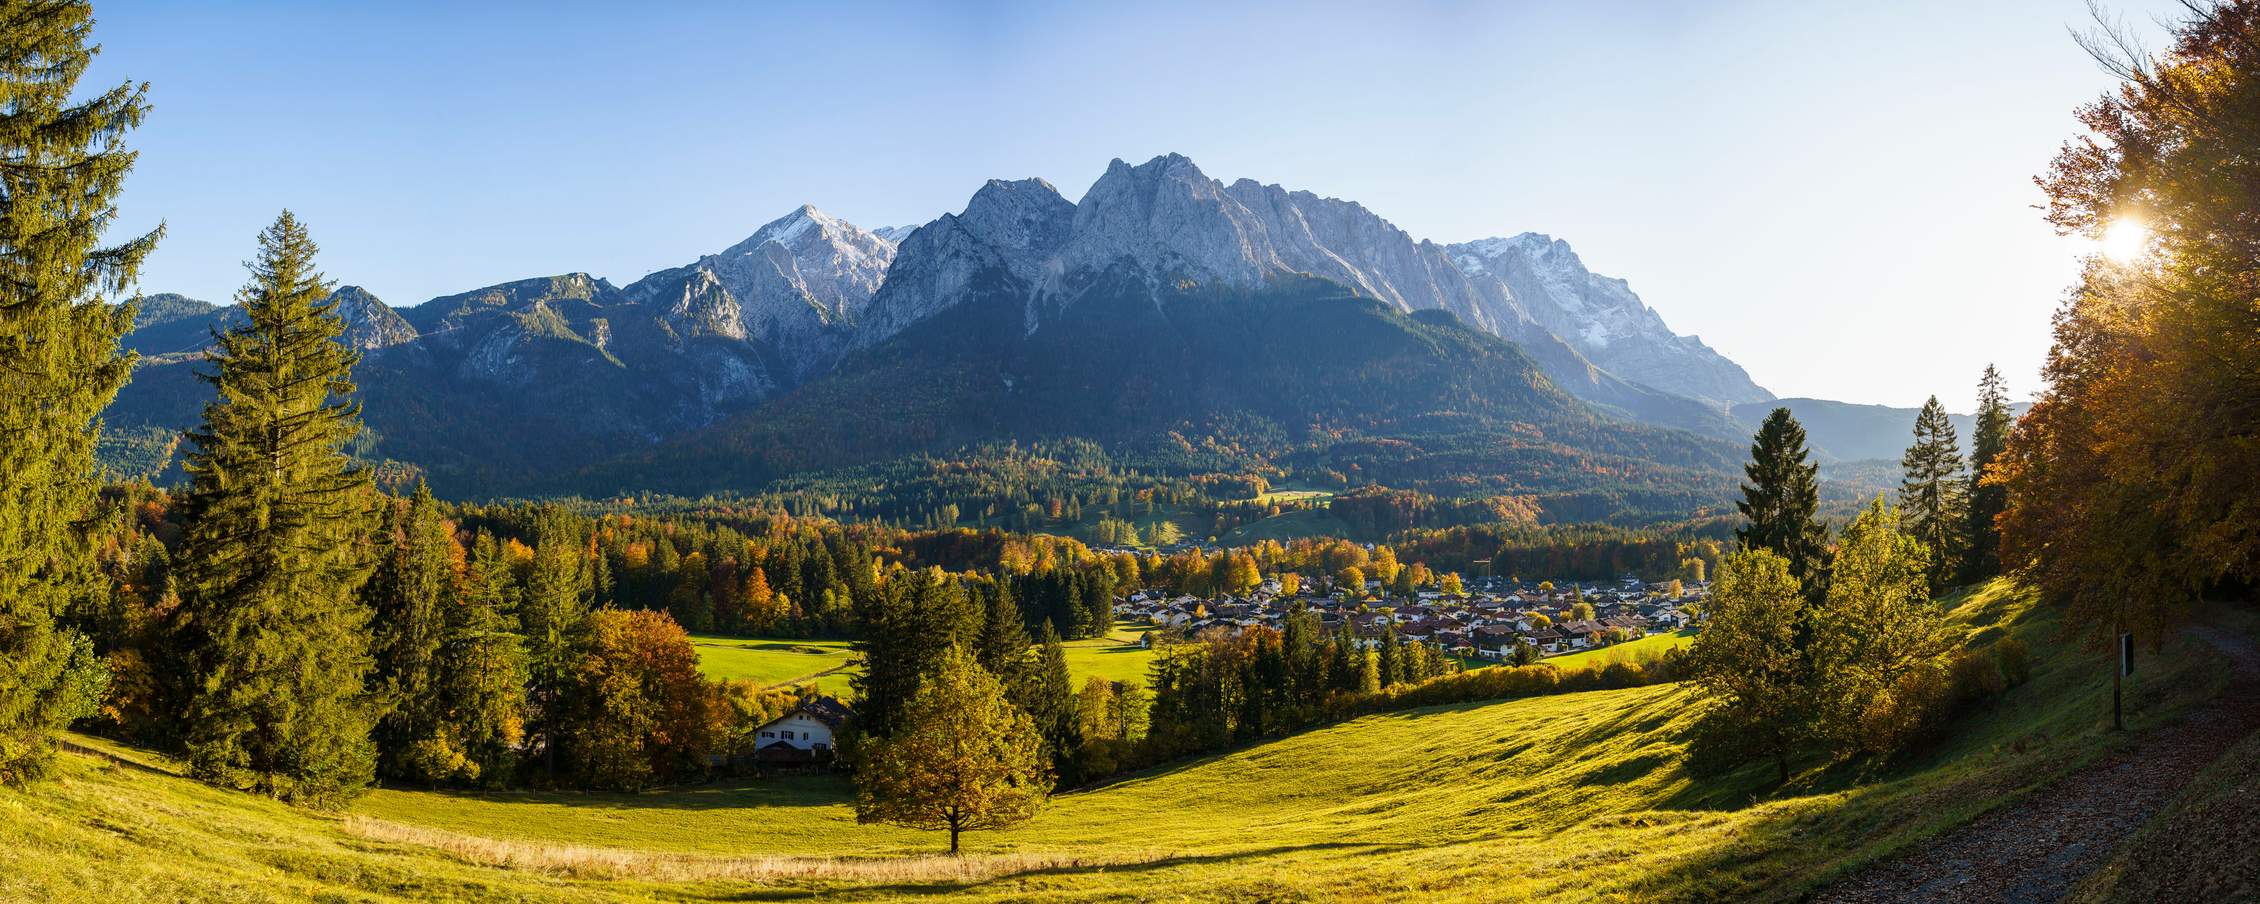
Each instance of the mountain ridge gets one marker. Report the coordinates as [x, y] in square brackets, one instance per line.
[505, 387]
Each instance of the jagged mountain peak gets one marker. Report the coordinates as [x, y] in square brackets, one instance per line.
[806, 224]
[1604, 319]
[370, 324]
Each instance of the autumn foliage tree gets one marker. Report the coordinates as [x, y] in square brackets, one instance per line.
[2131, 482]
[961, 757]
[1747, 659]
[636, 709]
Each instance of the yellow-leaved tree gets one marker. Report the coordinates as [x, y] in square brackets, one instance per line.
[963, 758]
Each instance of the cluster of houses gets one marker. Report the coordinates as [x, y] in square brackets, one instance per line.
[1490, 621]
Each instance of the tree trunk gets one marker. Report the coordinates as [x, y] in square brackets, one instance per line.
[953, 839]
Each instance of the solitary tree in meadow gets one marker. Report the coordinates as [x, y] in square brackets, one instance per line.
[275, 549]
[961, 758]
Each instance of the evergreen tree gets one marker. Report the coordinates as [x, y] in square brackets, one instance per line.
[900, 643]
[409, 596]
[275, 549]
[1931, 493]
[1004, 637]
[483, 667]
[1983, 560]
[61, 164]
[554, 613]
[1780, 500]
[1048, 696]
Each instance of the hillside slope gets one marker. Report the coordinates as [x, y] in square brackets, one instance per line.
[1572, 798]
[1302, 373]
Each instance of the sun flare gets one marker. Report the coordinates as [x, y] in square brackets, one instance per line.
[2126, 239]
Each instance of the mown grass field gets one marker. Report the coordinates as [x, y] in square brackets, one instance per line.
[1642, 650]
[1114, 657]
[1294, 525]
[772, 662]
[1579, 797]
[775, 662]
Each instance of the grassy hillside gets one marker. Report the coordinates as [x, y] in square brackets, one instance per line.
[1641, 650]
[1578, 797]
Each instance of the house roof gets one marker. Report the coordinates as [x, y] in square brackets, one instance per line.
[823, 708]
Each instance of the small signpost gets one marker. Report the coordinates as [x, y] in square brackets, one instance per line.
[2119, 676]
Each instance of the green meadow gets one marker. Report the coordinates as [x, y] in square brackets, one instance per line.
[774, 662]
[771, 662]
[1577, 797]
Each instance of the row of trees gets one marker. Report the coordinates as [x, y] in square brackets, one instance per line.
[293, 632]
[2130, 484]
[1951, 506]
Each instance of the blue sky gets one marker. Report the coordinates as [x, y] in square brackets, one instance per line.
[1836, 195]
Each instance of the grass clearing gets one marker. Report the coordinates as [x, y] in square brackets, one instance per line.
[771, 662]
[774, 662]
[1116, 656]
[1578, 797]
[1645, 649]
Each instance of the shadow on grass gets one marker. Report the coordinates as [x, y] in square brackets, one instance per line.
[781, 791]
[927, 889]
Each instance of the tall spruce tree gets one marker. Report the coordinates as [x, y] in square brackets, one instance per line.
[1931, 499]
[61, 165]
[1780, 500]
[1991, 436]
[410, 594]
[554, 613]
[1004, 636]
[1047, 693]
[483, 668]
[275, 548]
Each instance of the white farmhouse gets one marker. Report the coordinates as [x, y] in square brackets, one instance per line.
[803, 735]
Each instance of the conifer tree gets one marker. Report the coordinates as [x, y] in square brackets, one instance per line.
[554, 613]
[1991, 436]
[409, 596]
[1931, 492]
[1047, 693]
[1780, 500]
[483, 667]
[1004, 636]
[275, 548]
[61, 165]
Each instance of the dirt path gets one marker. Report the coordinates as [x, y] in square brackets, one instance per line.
[2031, 852]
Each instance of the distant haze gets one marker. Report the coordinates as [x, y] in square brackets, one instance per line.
[1836, 196]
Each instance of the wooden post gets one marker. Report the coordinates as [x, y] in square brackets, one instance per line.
[2119, 674]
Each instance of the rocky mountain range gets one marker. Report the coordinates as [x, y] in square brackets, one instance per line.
[500, 387]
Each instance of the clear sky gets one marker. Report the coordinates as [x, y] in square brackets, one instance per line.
[1836, 195]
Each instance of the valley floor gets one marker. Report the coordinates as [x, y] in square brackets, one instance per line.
[1579, 797]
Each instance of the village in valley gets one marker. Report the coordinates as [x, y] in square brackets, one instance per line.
[1490, 618]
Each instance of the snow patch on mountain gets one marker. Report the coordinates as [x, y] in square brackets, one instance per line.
[1604, 319]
